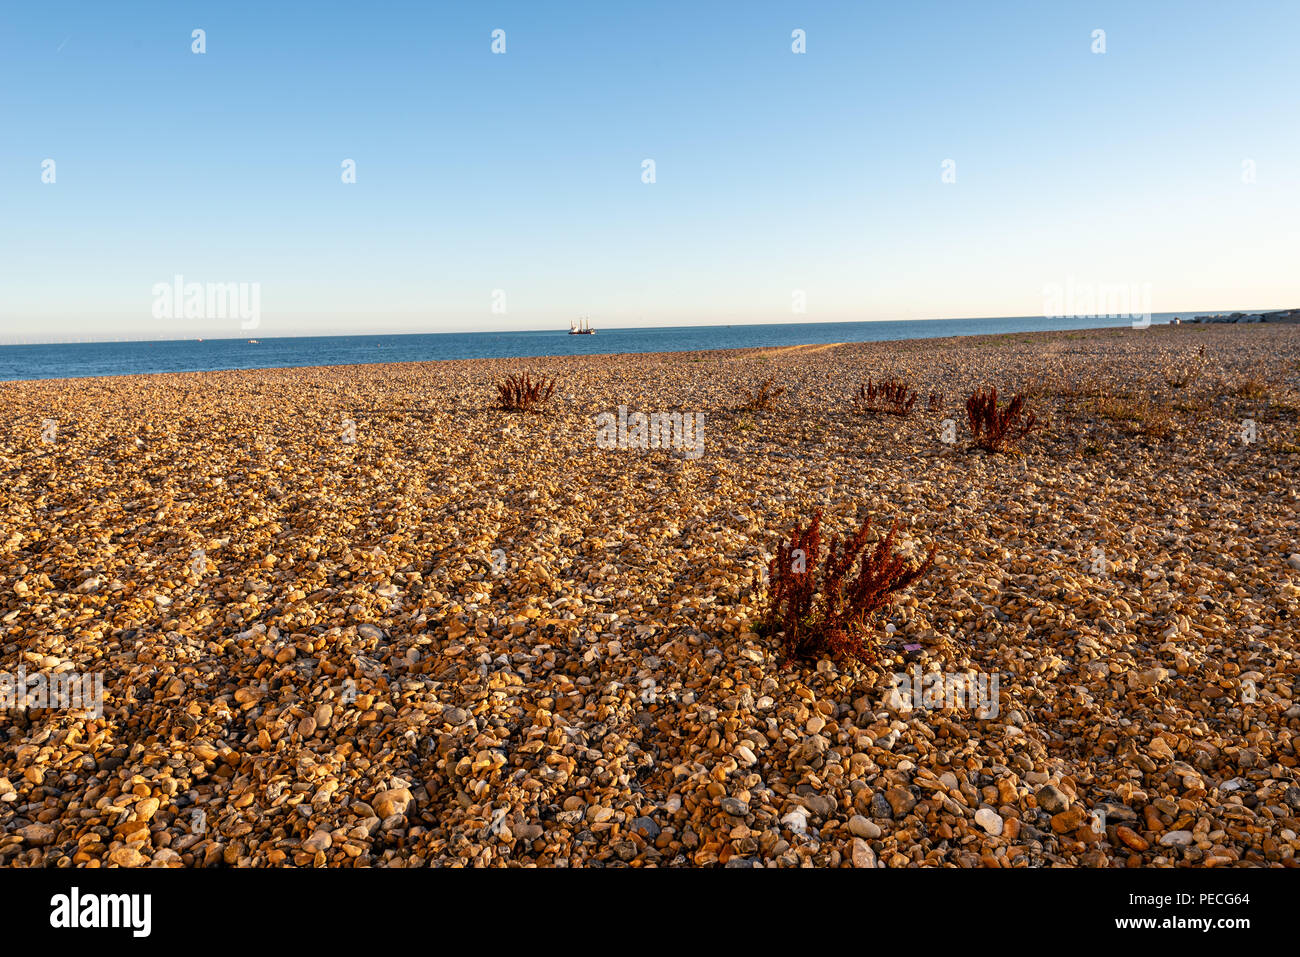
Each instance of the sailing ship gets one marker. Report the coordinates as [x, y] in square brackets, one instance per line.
[581, 327]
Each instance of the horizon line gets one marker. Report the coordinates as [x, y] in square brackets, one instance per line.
[560, 329]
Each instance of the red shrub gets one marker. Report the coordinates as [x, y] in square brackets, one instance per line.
[829, 611]
[998, 429]
[890, 396]
[763, 397]
[520, 393]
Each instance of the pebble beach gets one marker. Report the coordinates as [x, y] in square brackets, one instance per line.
[361, 617]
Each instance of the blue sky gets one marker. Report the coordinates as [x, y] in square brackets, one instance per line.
[522, 172]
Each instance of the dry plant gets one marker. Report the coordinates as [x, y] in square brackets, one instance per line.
[763, 397]
[519, 393]
[1036, 386]
[1251, 387]
[1182, 372]
[1074, 384]
[888, 397]
[827, 611]
[998, 429]
[1198, 405]
[1139, 414]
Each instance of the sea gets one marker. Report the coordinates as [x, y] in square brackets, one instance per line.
[68, 360]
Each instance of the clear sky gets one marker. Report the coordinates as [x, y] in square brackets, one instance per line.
[522, 172]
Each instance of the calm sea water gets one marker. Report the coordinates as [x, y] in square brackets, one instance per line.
[74, 360]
